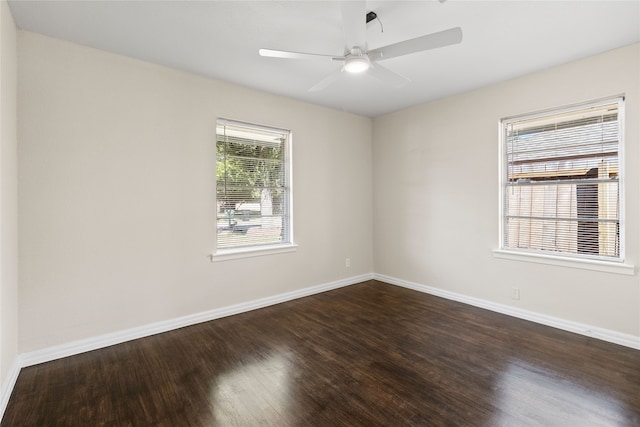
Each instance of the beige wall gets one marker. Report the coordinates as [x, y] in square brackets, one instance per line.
[116, 201]
[8, 195]
[436, 195]
[117, 185]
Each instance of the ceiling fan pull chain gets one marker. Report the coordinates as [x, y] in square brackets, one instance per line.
[381, 27]
[371, 16]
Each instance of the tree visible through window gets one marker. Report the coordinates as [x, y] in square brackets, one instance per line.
[252, 185]
[562, 182]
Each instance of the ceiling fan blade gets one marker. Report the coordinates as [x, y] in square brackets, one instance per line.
[326, 81]
[386, 75]
[354, 21]
[296, 55]
[419, 44]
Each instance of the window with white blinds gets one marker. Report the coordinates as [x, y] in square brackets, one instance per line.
[562, 182]
[252, 186]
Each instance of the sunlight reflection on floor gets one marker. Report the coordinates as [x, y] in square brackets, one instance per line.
[533, 393]
[256, 393]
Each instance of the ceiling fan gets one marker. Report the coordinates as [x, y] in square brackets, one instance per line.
[357, 58]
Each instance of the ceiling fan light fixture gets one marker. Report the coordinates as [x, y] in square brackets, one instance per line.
[357, 64]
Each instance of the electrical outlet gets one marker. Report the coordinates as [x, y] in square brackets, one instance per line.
[347, 262]
[515, 293]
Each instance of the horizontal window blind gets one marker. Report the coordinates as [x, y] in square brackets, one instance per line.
[252, 185]
[561, 191]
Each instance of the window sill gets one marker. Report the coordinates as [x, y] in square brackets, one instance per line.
[585, 264]
[229, 254]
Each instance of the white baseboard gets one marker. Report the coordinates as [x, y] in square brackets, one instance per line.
[76, 347]
[81, 346]
[106, 340]
[7, 386]
[626, 340]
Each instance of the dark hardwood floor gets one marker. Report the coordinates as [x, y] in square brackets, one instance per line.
[365, 355]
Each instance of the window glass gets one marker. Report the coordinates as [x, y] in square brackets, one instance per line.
[562, 182]
[252, 186]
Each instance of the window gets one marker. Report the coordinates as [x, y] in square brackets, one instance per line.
[562, 181]
[252, 186]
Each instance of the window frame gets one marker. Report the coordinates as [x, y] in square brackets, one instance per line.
[260, 249]
[599, 263]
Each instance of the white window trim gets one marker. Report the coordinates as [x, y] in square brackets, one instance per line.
[267, 249]
[562, 261]
[617, 266]
[248, 252]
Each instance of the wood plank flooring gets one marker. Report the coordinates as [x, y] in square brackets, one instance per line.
[370, 354]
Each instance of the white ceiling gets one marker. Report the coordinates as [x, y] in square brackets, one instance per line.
[220, 39]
